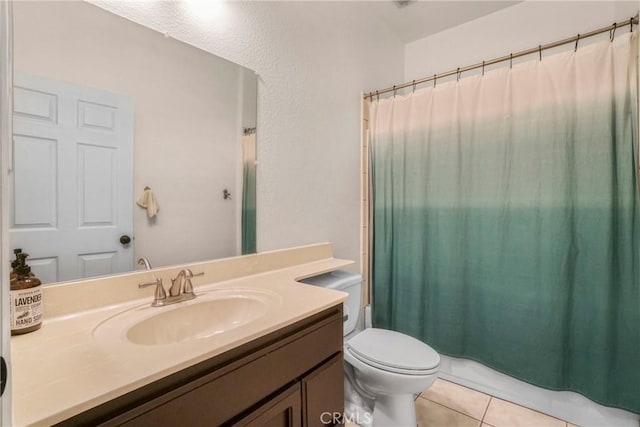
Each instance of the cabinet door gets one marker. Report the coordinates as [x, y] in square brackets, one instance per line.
[323, 394]
[284, 410]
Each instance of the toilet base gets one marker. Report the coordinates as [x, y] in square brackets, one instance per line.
[394, 411]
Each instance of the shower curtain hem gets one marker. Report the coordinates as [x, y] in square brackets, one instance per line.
[488, 365]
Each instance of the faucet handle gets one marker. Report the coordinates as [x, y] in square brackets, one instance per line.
[159, 295]
[188, 286]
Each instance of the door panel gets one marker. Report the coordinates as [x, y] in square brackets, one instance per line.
[73, 179]
[96, 181]
[97, 264]
[35, 177]
[46, 268]
[97, 117]
[323, 394]
[34, 104]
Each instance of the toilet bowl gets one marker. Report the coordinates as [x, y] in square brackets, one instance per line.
[392, 368]
[386, 369]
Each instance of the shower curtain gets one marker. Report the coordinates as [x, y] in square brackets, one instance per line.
[249, 193]
[506, 220]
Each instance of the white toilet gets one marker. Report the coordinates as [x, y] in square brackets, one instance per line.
[384, 369]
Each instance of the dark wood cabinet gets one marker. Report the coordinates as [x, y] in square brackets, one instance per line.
[283, 410]
[291, 377]
[323, 394]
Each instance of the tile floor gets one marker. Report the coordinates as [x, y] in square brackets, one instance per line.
[446, 404]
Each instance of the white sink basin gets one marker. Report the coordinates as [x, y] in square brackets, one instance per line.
[210, 314]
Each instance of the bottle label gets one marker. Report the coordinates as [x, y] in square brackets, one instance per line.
[26, 308]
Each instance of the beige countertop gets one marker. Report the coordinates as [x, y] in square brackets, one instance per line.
[62, 369]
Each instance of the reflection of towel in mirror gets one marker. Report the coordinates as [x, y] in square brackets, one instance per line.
[148, 201]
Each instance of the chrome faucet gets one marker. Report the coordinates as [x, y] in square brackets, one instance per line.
[144, 261]
[181, 284]
[181, 289]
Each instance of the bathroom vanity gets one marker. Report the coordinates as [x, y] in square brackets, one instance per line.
[282, 367]
[287, 378]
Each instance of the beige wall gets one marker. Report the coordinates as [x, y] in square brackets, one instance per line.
[187, 118]
[313, 59]
[522, 26]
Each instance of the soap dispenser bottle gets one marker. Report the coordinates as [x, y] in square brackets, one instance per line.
[26, 297]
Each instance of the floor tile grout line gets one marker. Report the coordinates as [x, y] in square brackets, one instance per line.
[452, 409]
[491, 397]
[461, 386]
[531, 409]
[486, 409]
[508, 401]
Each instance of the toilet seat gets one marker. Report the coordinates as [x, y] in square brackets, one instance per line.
[393, 352]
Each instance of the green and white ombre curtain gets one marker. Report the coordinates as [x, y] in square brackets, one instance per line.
[507, 222]
[249, 193]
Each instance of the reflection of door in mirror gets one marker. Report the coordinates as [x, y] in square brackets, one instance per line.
[71, 181]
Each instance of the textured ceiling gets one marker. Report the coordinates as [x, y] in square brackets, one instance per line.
[422, 18]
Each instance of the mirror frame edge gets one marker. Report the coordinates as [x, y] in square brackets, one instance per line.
[6, 107]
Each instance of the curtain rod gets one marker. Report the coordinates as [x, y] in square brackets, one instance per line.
[611, 28]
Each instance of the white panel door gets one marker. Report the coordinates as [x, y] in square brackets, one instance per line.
[72, 181]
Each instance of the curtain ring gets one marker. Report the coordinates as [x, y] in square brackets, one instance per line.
[483, 68]
[458, 74]
[377, 96]
[371, 96]
[434, 80]
[414, 86]
[631, 25]
[394, 91]
[511, 60]
[612, 33]
[540, 51]
[575, 49]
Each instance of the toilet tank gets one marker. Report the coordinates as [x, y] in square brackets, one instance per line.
[346, 282]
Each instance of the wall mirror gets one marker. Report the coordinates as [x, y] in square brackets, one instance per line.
[104, 109]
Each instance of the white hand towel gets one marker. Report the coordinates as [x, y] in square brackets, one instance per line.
[148, 201]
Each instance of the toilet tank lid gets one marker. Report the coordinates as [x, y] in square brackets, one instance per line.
[338, 279]
[393, 349]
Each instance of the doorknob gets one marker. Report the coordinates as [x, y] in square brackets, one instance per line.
[3, 374]
[125, 240]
